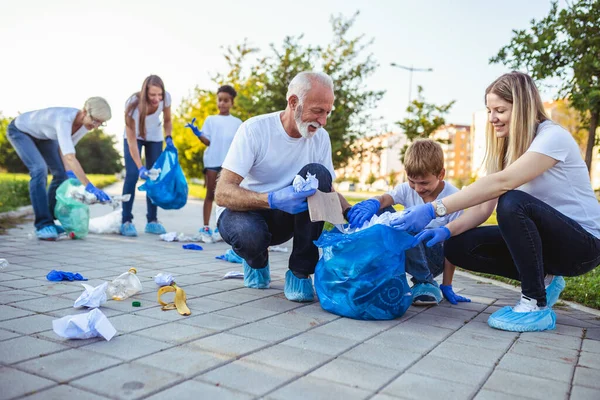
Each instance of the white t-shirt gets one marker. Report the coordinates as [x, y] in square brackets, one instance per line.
[403, 194]
[55, 123]
[268, 158]
[566, 186]
[153, 121]
[220, 130]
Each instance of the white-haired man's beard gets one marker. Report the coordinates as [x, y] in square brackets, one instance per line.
[303, 126]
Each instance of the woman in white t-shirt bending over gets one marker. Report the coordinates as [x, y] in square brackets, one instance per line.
[143, 128]
[548, 215]
[45, 140]
[217, 134]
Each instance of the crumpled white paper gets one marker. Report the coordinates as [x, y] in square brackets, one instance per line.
[154, 173]
[108, 223]
[234, 275]
[92, 297]
[179, 237]
[163, 279]
[384, 219]
[84, 326]
[304, 185]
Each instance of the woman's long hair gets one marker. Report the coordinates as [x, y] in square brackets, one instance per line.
[141, 103]
[528, 112]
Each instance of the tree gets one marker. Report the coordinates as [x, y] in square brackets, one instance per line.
[393, 178]
[97, 154]
[423, 120]
[565, 45]
[9, 160]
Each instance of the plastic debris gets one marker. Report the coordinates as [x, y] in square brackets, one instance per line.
[234, 275]
[154, 173]
[304, 185]
[3, 263]
[124, 286]
[136, 304]
[163, 279]
[92, 297]
[192, 246]
[57, 276]
[84, 326]
[108, 223]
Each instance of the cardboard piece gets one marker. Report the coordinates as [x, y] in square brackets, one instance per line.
[325, 207]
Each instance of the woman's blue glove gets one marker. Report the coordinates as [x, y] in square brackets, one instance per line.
[194, 128]
[143, 173]
[434, 236]
[290, 201]
[71, 175]
[452, 297]
[100, 195]
[363, 212]
[169, 141]
[416, 218]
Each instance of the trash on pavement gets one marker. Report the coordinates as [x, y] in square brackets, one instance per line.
[124, 286]
[84, 326]
[92, 297]
[57, 276]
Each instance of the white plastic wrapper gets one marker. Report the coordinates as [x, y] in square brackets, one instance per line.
[234, 275]
[84, 326]
[109, 223]
[163, 279]
[384, 219]
[278, 249]
[92, 297]
[169, 236]
[179, 237]
[154, 173]
[304, 185]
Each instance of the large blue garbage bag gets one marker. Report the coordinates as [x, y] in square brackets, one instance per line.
[170, 189]
[361, 275]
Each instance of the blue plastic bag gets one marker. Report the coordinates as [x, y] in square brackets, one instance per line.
[170, 190]
[361, 275]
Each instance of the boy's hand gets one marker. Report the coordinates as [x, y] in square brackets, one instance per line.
[363, 212]
[434, 236]
[452, 297]
[416, 218]
[194, 128]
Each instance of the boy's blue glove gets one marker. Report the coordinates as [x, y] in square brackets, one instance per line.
[100, 195]
[452, 297]
[169, 141]
[194, 128]
[290, 201]
[143, 172]
[363, 212]
[434, 236]
[71, 175]
[416, 218]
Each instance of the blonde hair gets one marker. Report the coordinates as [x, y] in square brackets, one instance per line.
[518, 89]
[97, 108]
[423, 157]
[141, 103]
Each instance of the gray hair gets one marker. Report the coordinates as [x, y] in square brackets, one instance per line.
[302, 83]
[98, 108]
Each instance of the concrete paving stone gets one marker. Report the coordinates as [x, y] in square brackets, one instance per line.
[593, 334]
[22, 283]
[415, 329]
[125, 306]
[62, 392]
[320, 343]
[199, 290]
[231, 297]
[29, 324]
[517, 384]
[585, 376]
[108, 312]
[44, 304]
[491, 395]
[67, 365]
[454, 370]
[418, 387]
[194, 390]
[264, 331]
[57, 288]
[453, 312]
[592, 346]
[176, 333]
[4, 334]
[584, 393]
[248, 377]
[438, 320]
[294, 320]
[468, 354]
[127, 347]
[381, 396]
[397, 359]
[559, 354]
[551, 339]
[547, 369]
[10, 312]
[288, 358]
[185, 360]
[589, 360]
[73, 343]
[484, 329]
[213, 321]
[317, 389]
[276, 304]
[26, 347]
[568, 330]
[401, 340]
[473, 338]
[11, 296]
[204, 305]
[314, 310]
[353, 329]
[355, 374]
[127, 381]
[129, 323]
[259, 294]
[16, 383]
[246, 313]
[566, 319]
[228, 344]
[226, 284]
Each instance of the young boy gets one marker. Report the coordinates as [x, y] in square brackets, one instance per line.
[424, 164]
[217, 134]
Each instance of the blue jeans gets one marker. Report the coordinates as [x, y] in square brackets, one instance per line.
[422, 263]
[250, 233]
[531, 240]
[39, 155]
[153, 151]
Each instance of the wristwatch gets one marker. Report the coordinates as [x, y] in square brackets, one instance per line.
[439, 208]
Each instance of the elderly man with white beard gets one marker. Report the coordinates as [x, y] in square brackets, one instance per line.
[258, 206]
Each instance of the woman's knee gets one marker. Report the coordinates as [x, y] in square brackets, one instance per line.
[510, 203]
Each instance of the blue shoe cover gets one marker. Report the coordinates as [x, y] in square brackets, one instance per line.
[128, 229]
[533, 321]
[553, 290]
[47, 233]
[59, 229]
[232, 257]
[155, 228]
[256, 278]
[296, 289]
[425, 294]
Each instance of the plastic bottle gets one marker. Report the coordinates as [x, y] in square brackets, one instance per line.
[3, 263]
[124, 286]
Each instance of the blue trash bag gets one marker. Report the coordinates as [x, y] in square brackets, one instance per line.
[361, 275]
[170, 190]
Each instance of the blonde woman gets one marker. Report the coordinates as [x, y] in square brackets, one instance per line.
[45, 140]
[143, 128]
[548, 215]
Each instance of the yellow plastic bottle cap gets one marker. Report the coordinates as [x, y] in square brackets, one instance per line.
[136, 304]
[132, 270]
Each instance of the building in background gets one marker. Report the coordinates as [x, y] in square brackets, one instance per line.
[457, 151]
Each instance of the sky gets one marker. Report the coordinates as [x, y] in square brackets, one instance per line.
[60, 52]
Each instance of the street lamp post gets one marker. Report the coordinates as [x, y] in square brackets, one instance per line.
[411, 69]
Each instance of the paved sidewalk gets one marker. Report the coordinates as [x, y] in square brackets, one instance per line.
[241, 343]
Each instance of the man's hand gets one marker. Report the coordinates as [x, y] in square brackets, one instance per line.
[100, 195]
[290, 201]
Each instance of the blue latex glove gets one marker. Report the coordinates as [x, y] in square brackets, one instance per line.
[452, 297]
[415, 218]
[194, 128]
[71, 175]
[363, 212]
[169, 141]
[288, 200]
[100, 195]
[57, 276]
[434, 236]
[143, 172]
[192, 246]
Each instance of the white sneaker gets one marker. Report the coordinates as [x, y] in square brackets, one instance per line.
[526, 305]
[206, 235]
[216, 236]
